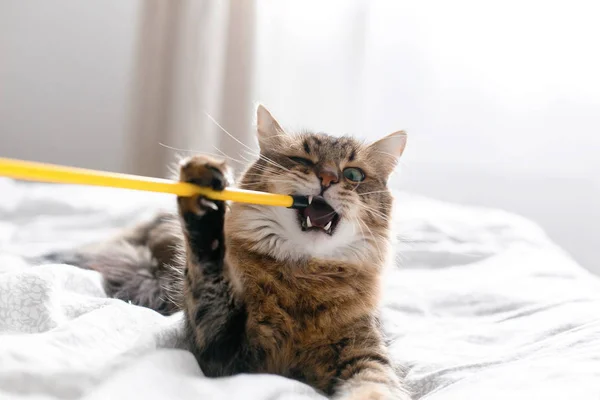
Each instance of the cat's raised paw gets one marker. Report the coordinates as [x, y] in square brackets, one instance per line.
[202, 171]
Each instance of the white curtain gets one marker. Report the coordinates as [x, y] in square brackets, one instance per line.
[194, 72]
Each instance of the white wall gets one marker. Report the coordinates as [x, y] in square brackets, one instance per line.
[65, 75]
[501, 100]
[503, 103]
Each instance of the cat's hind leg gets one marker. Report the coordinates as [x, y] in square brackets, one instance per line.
[142, 265]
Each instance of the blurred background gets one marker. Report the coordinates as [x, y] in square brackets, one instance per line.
[501, 100]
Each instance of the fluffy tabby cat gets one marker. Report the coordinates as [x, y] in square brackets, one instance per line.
[270, 289]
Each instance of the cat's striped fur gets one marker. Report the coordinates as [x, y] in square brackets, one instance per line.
[258, 293]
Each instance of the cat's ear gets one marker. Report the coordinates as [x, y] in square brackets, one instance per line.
[388, 150]
[268, 129]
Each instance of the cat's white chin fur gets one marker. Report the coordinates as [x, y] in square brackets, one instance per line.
[299, 244]
[276, 231]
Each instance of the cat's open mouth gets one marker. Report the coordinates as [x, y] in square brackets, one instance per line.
[319, 215]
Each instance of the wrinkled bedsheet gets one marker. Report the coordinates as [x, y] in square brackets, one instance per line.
[480, 305]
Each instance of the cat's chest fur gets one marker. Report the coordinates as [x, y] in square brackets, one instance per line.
[298, 314]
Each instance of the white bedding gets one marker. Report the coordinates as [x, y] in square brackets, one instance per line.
[484, 306]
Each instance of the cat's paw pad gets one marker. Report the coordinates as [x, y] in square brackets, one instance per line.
[202, 171]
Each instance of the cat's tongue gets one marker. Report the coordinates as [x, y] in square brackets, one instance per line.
[319, 214]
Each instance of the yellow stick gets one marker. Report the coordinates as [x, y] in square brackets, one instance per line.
[33, 171]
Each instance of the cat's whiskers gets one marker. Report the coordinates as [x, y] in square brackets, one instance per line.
[373, 211]
[364, 240]
[229, 134]
[250, 149]
[362, 233]
[179, 149]
[262, 175]
[222, 154]
[355, 187]
[266, 168]
[248, 160]
[375, 241]
[329, 213]
[229, 157]
[269, 172]
[268, 160]
[373, 192]
[270, 181]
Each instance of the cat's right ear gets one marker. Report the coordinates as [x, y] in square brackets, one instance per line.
[268, 129]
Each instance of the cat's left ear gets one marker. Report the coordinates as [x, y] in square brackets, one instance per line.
[388, 150]
[268, 129]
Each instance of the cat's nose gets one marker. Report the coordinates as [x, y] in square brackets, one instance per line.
[328, 175]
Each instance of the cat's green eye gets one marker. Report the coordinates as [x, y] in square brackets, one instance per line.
[303, 161]
[354, 174]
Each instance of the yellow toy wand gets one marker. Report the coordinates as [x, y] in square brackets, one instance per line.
[33, 171]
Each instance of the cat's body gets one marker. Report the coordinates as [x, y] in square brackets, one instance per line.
[269, 289]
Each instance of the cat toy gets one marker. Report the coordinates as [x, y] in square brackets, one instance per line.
[41, 172]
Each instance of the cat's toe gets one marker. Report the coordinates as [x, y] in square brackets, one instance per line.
[202, 171]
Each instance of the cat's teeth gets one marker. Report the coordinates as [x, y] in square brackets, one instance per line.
[308, 224]
[328, 226]
[310, 199]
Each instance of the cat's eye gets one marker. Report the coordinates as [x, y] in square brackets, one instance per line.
[354, 174]
[303, 161]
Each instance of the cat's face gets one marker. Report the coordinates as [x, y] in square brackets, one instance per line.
[348, 217]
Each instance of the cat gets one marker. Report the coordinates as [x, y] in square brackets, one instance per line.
[272, 289]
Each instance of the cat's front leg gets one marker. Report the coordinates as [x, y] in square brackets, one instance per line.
[203, 218]
[372, 383]
[364, 371]
[215, 316]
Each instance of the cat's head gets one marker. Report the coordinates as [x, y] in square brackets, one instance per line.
[346, 179]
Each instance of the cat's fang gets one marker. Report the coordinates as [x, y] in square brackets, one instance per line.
[310, 199]
[308, 223]
[327, 226]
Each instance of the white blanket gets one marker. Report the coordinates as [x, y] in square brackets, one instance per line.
[483, 306]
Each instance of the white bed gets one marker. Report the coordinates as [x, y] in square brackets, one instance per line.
[484, 306]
